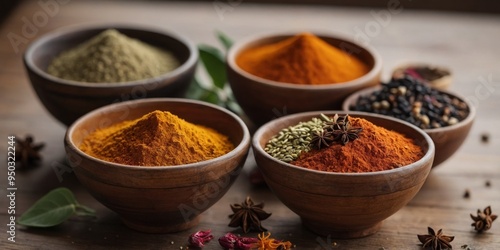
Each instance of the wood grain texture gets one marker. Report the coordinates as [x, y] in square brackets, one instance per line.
[467, 43]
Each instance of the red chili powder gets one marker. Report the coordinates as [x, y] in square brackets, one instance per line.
[376, 149]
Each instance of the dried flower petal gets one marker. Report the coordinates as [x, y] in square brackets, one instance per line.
[231, 241]
[200, 238]
[268, 243]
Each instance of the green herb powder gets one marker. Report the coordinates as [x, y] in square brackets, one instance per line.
[112, 57]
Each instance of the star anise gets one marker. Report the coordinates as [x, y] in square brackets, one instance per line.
[337, 129]
[435, 241]
[483, 220]
[344, 132]
[322, 138]
[28, 152]
[248, 215]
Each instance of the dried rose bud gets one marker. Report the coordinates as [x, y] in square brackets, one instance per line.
[231, 241]
[200, 238]
[246, 243]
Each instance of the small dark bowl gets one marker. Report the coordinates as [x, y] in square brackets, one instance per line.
[263, 100]
[447, 139]
[343, 205]
[159, 199]
[67, 100]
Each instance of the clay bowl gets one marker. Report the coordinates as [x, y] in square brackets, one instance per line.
[263, 100]
[446, 139]
[343, 205]
[67, 100]
[158, 199]
[441, 83]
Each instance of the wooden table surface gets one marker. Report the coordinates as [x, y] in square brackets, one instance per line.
[467, 43]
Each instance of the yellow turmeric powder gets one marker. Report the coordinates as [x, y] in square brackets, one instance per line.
[156, 139]
[302, 59]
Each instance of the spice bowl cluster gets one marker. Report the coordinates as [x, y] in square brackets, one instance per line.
[149, 196]
[80, 68]
[353, 199]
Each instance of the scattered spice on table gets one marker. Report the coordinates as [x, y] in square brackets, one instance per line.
[200, 238]
[483, 220]
[411, 100]
[302, 59]
[248, 215]
[234, 242]
[112, 57]
[28, 152]
[268, 243]
[435, 241]
[487, 183]
[374, 149]
[159, 138]
[466, 194]
[485, 138]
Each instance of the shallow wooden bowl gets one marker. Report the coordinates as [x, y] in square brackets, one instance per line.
[158, 199]
[446, 139]
[343, 205]
[263, 100]
[67, 100]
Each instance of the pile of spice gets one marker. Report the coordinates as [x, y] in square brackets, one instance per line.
[156, 139]
[302, 59]
[352, 145]
[413, 101]
[112, 57]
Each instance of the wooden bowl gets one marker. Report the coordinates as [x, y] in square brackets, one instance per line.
[343, 205]
[441, 83]
[446, 139]
[263, 100]
[158, 199]
[67, 100]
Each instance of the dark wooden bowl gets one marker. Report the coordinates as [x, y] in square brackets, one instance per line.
[67, 100]
[446, 139]
[159, 199]
[263, 100]
[343, 205]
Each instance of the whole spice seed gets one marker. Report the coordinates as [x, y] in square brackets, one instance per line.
[435, 241]
[466, 194]
[485, 138]
[483, 220]
[248, 216]
[411, 100]
[290, 142]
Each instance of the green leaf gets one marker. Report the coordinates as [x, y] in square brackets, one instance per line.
[195, 90]
[225, 40]
[214, 63]
[53, 209]
[211, 97]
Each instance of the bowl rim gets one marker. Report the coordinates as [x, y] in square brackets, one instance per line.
[242, 44]
[245, 140]
[470, 116]
[429, 154]
[71, 29]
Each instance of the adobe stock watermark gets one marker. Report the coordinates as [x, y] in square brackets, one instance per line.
[381, 19]
[223, 7]
[31, 25]
[204, 196]
[483, 90]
